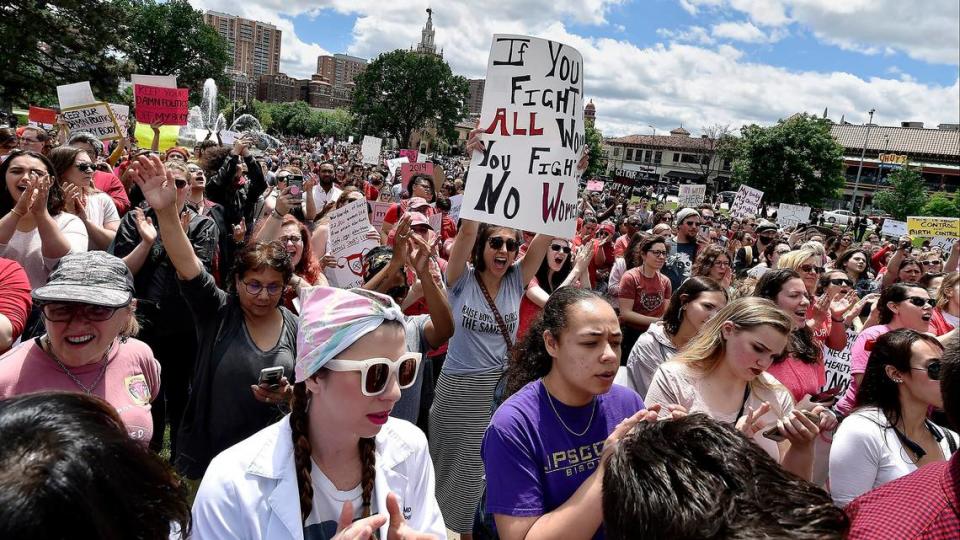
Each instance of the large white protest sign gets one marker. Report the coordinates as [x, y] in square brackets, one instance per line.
[348, 243]
[393, 165]
[791, 215]
[94, 118]
[892, 227]
[371, 149]
[746, 202]
[691, 195]
[75, 95]
[122, 115]
[455, 203]
[525, 176]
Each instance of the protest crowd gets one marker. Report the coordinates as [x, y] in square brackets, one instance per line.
[308, 341]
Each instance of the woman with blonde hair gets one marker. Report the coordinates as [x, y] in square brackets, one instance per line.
[946, 314]
[723, 373]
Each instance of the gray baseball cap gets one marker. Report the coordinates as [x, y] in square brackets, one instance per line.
[93, 277]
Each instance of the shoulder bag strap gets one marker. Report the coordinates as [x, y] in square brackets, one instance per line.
[496, 313]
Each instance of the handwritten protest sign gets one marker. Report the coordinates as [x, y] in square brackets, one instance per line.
[928, 227]
[94, 118]
[410, 154]
[74, 95]
[394, 164]
[595, 185]
[791, 215]
[379, 213]
[122, 114]
[943, 242]
[409, 170]
[371, 149]
[42, 116]
[167, 106]
[892, 227]
[746, 202]
[837, 364]
[691, 195]
[348, 243]
[455, 203]
[526, 176]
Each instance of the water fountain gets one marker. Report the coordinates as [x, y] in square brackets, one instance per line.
[205, 118]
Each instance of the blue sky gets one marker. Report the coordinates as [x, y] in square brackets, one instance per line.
[666, 62]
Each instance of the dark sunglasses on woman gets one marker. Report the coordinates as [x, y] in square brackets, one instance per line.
[932, 369]
[841, 282]
[558, 247]
[811, 268]
[920, 301]
[86, 167]
[496, 242]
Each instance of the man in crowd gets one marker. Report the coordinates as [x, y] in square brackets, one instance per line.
[683, 250]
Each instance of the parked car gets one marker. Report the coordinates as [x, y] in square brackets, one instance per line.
[840, 217]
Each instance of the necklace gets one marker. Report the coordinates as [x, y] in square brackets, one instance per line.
[103, 369]
[562, 423]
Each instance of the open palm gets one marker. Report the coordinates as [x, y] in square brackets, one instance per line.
[155, 181]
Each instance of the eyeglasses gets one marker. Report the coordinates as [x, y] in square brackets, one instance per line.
[496, 242]
[811, 268]
[425, 185]
[721, 263]
[932, 369]
[255, 288]
[85, 167]
[375, 373]
[842, 282]
[558, 247]
[658, 252]
[57, 312]
[293, 239]
[919, 301]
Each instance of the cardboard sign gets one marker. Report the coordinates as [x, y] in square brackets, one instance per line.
[791, 215]
[75, 95]
[526, 175]
[409, 170]
[379, 213]
[162, 81]
[455, 203]
[595, 185]
[371, 149]
[42, 116]
[94, 118]
[394, 164]
[837, 365]
[746, 202]
[928, 227]
[166, 106]
[943, 242]
[892, 227]
[691, 195]
[348, 243]
[122, 114]
[410, 154]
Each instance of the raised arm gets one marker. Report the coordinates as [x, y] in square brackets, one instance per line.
[440, 326]
[534, 257]
[461, 249]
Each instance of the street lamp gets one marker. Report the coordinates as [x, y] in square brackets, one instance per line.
[856, 183]
[654, 128]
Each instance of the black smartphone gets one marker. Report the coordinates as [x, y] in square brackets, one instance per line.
[270, 377]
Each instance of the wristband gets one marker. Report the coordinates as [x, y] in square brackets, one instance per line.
[14, 211]
[276, 214]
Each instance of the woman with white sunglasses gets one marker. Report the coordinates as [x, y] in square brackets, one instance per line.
[352, 467]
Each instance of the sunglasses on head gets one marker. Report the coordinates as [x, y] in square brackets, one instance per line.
[558, 247]
[496, 242]
[919, 301]
[375, 372]
[811, 268]
[932, 369]
[85, 167]
[842, 282]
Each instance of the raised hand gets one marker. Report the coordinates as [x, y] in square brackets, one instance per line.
[145, 227]
[841, 303]
[157, 184]
[38, 204]
[362, 529]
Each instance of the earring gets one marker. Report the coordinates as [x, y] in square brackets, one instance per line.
[898, 381]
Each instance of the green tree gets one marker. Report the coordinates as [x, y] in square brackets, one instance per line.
[401, 91]
[941, 205]
[906, 195]
[170, 38]
[795, 160]
[49, 43]
[598, 163]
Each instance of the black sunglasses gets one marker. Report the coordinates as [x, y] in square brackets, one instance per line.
[920, 301]
[496, 242]
[930, 263]
[810, 268]
[843, 282]
[932, 369]
[558, 247]
[85, 167]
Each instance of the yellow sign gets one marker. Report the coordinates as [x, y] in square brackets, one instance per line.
[168, 136]
[927, 227]
[898, 159]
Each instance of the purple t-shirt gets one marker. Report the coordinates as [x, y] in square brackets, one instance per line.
[532, 463]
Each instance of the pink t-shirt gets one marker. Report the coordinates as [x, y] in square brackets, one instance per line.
[858, 365]
[130, 383]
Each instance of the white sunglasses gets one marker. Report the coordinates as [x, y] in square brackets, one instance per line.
[375, 372]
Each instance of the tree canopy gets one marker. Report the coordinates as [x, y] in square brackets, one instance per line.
[296, 118]
[598, 163]
[906, 195]
[402, 91]
[794, 161]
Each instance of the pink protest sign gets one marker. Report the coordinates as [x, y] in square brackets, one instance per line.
[409, 170]
[410, 154]
[167, 106]
[595, 185]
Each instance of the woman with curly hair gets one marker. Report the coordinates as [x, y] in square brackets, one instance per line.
[714, 262]
[563, 403]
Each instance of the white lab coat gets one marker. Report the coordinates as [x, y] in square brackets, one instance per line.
[250, 489]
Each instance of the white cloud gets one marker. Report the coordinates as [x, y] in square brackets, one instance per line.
[690, 80]
[742, 31]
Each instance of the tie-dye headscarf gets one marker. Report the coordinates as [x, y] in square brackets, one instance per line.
[333, 319]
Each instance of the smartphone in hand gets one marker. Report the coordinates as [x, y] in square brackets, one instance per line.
[270, 377]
